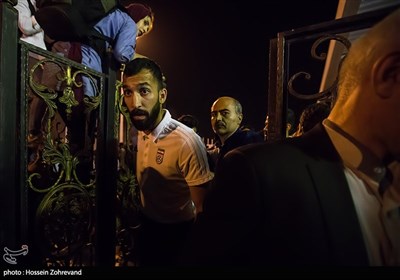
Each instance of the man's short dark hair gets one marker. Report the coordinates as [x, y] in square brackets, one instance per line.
[313, 114]
[189, 120]
[138, 64]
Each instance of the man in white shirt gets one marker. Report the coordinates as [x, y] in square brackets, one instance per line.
[171, 166]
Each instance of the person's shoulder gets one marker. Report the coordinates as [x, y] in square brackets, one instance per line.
[22, 7]
[250, 136]
[120, 15]
[184, 132]
[310, 147]
[256, 136]
[278, 149]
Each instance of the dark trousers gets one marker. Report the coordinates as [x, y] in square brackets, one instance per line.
[160, 244]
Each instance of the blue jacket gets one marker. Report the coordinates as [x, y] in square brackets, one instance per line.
[120, 27]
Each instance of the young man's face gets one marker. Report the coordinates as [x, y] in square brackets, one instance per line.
[143, 100]
[144, 26]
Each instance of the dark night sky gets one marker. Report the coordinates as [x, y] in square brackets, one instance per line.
[209, 49]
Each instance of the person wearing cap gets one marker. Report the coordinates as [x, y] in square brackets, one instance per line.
[123, 27]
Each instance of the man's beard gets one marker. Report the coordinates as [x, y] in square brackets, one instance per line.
[148, 123]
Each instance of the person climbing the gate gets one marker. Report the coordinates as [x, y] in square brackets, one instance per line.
[97, 26]
[123, 28]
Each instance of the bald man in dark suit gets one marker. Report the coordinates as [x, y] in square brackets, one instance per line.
[324, 198]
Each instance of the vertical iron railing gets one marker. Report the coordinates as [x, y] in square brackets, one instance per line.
[63, 207]
[10, 189]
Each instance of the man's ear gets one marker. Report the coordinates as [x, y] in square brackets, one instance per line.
[162, 95]
[240, 117]
[386, 75]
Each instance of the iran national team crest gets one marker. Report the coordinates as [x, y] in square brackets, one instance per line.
[160, 156]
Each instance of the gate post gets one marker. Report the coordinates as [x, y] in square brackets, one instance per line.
[10, 188]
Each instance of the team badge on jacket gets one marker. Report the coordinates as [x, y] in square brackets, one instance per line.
[160, 156]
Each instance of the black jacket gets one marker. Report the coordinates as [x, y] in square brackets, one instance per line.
[279, 204]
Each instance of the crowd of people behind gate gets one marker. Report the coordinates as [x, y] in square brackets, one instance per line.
[123, 25]
[330, 195]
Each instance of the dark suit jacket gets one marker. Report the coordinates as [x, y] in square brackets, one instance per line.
[279, 204]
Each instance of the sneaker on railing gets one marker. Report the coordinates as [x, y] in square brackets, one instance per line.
[34, 162]
[34, 140]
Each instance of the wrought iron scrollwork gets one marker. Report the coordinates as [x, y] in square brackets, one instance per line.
[57, 152]
[64, 217]
[65, 225]
[329, 92]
